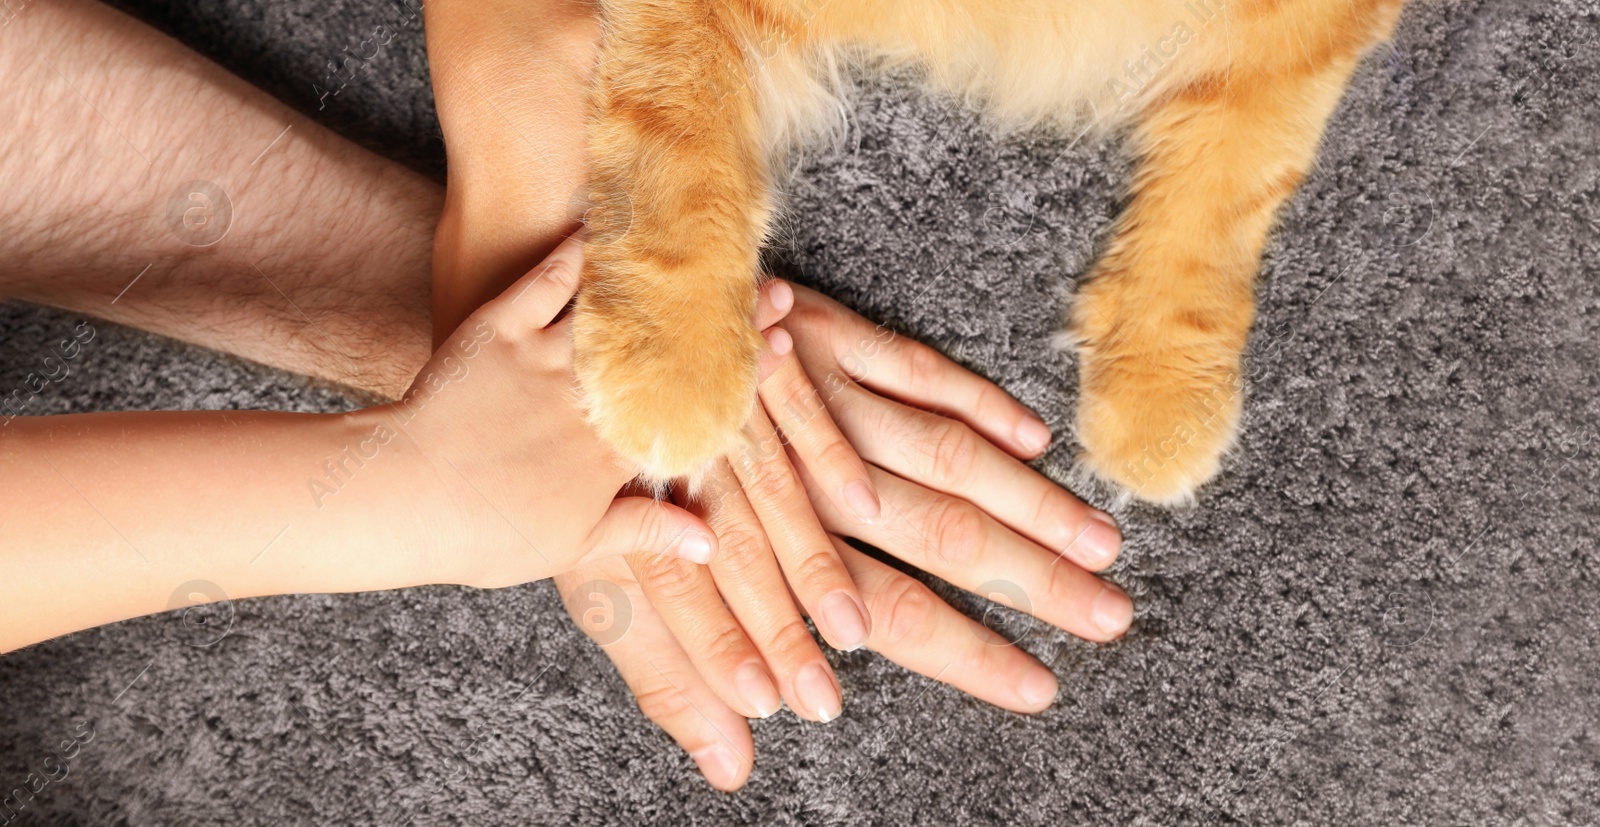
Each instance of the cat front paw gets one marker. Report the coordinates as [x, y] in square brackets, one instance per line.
[669, 378]
[1159, 405]
[1158, 432]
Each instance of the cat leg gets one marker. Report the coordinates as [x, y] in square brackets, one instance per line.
[666, 351]
[1161, 325]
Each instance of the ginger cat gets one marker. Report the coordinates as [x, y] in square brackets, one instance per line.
[698, 101]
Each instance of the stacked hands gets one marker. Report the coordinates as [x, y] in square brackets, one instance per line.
[488, 473]
[860, 434]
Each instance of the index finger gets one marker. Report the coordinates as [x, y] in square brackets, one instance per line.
[801, 415]
[912, 372]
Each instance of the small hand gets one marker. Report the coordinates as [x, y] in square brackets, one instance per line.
[498, 460]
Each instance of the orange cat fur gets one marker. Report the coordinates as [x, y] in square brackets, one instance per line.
[697, 101]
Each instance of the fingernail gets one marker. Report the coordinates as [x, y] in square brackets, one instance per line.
[696, 548]
[1097, 542]
[718, 765]
[1037, 689]
[757, 689]
[778, 341]
[817, 693]
[1033, 435]
[863, 501]
[847, 621]
[1112, 611]
[782, 296]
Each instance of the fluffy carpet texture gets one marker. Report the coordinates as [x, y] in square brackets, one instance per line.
[1385, 611]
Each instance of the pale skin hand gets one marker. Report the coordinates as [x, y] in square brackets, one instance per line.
[957, 502]
[365, 285]
[511, 79]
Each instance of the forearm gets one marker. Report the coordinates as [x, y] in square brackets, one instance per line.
[105, 515]
[511, 79]
[111, 121]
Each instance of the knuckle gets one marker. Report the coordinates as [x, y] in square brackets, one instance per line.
[663, 703]
[923, 363]
[672, 581]
[791, 640]
[956, 529]
[1052, 508]
[839, 456]
[718, 500]
[801, 400]
[512, 333]
[907, 608]
[806, 312]
[976, 660]
[770, 479]
[740, 550]
[559, 272]
[816, 572]
[652, 534]
[654, 531]
[989, 397]
[728, 646]
[952, 452]
[1062, 586]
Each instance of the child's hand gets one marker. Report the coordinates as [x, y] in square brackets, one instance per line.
[485, 474]
[508, 481]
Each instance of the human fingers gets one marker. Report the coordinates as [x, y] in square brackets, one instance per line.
[797, 409]
[641, 525]
[832, 339]
[541, 294]
[920, 632]
[668, 688]
[773, 302]
[685, 597]
[779, 345]
[953, 539]
[810, 564]
[947, 455]
[749, 578]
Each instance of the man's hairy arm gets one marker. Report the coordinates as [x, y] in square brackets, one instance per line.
[109, 122]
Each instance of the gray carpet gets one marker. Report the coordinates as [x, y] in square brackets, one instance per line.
[1384, 612]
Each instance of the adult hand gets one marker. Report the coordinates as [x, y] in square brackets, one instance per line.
[956, 501]
[511, 80]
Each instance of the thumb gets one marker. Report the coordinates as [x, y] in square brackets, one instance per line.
[540, 295]
[644, 525]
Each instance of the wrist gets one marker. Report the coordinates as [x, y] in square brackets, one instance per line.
[400, 492]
